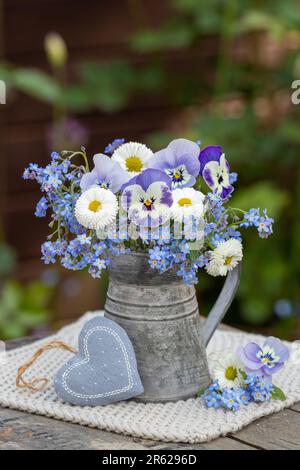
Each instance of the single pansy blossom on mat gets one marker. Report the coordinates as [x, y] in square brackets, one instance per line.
[236, 384]
[214, 169]
[133, 157]
[265, 360]
[179, 161]
[148, 198]
[107, 174]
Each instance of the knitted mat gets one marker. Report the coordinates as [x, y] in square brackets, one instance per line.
[183, 421]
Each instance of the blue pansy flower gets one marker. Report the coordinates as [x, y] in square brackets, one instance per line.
[148, 198]
[107, 174]
[179, 161]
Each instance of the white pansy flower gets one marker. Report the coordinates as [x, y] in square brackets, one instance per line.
[132, 157]
[96, 208]
[225, 257]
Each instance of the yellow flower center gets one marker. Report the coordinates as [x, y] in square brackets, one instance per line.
[95, 206]
[184, 202]
[134, 164]
[228, 260]
[148, 203]
[177, 175]
[231, 373]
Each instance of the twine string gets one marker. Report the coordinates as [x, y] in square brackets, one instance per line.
[39, 384]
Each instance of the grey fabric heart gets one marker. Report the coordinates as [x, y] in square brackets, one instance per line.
[103, 371]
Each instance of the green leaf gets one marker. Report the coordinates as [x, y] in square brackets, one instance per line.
[243, 373]
[37, 84]
[278, 394]
[200, 392]
[194, 254]
[198, 183]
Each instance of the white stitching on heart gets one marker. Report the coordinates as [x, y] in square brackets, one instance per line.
[86, 360]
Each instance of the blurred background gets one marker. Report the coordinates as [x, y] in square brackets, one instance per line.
[85, 72]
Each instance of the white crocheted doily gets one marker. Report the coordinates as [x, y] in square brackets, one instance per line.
[183, 421]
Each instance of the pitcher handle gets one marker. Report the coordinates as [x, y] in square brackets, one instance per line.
[222, 304]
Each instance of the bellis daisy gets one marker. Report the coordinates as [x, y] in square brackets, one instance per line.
[187, 202]
[132, 157]
[225, 257]
[227, 372]
[96, 208]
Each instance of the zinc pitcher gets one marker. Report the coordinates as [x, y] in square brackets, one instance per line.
[161, 317]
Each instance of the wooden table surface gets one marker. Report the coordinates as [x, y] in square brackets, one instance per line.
[24, 431]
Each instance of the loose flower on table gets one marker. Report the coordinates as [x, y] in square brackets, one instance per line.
[246, 376]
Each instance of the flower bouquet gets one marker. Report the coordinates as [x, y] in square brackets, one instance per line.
[153, 220]
[171, 204]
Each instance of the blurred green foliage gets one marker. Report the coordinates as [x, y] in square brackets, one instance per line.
[245, 106]
[22, 307]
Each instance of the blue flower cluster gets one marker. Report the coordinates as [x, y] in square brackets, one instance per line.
[254, 389]
[76, 248]
[219, 228]
[259, 388]
[263, 223]
[110, 148]
[169, 254]
[52, 176]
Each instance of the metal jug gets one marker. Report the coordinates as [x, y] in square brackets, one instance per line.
[161, 317]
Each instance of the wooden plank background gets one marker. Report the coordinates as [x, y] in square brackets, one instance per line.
[93, 30]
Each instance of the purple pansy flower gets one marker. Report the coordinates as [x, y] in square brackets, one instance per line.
[266, 360]
[147, 197]
[208, 154]
[214, 169]
[179, 161]
[107, 174]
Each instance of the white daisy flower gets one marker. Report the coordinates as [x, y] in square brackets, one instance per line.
[225, 257]
[96, 208]
[187, 202]
[227, 371]
[132, 157]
